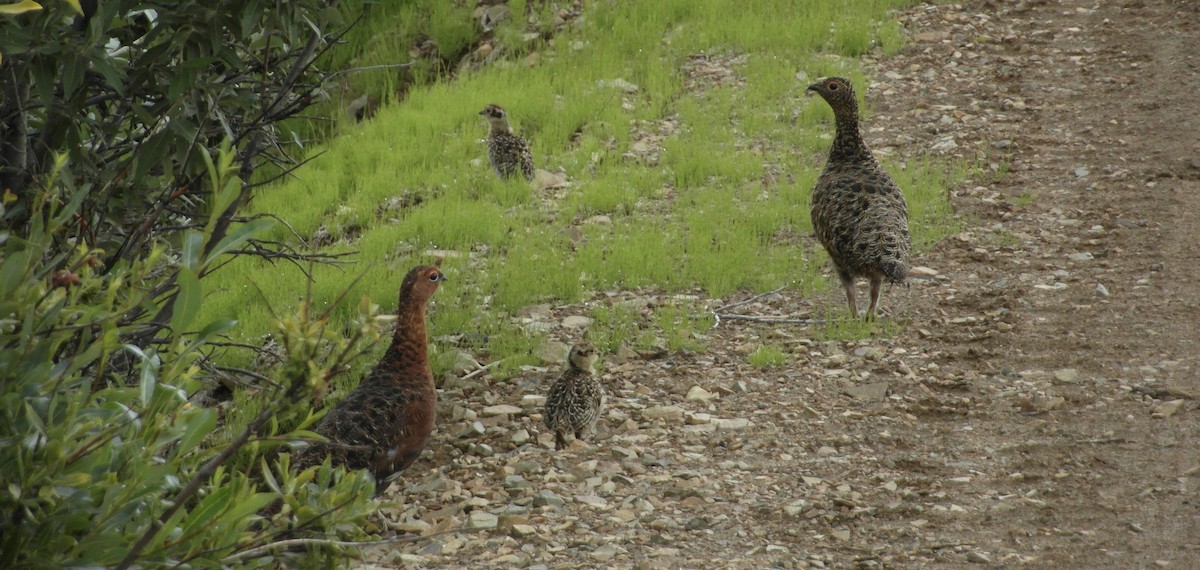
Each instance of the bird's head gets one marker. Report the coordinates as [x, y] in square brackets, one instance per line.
[494, 113]
[836, 91]
[582, 356]
[421, 282]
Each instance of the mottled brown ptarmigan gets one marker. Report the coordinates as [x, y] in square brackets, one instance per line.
[508, 152]
[575, 398]
[858, 211]
[384, 423]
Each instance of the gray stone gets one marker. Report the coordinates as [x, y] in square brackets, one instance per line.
[1066, 376]
[873, 392]
[482, 519]
[546, 497]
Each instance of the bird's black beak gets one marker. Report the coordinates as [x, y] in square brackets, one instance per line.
[814, 88]
[483, 112]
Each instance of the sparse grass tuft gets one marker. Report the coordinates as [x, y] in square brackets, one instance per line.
[613, 327]
[841, 328]
[681, 330]
[767, 356]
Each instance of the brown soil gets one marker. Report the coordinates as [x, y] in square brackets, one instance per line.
[1038, 410]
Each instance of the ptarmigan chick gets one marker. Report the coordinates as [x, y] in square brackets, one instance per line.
[384, 423]
[508, 153]
[858, 211]
[575, 399]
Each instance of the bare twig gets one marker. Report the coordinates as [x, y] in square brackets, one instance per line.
[258, 550]
[482, 369]
[284, 172]
[368, 68]
[1105, 440]
[242, 371]
[747, 301]
[945, 545]
[772, 320]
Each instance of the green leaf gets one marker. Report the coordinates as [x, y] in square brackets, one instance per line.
[200, 423]
[238, 236]
[66, 213]
[215, 327]
[20, 7]
[226, 195]
[72, 74]
[151, 154]
[147, 380]
[250, 505]
[187, 301]
[14, 270]
[192, 242]
[209, 165]
[113, 75]
[208, 509]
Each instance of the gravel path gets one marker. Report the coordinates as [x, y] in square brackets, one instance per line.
[1038, 409]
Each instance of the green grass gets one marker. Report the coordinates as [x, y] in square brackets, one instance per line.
[724, 209]
[839, 327]
[767, 356]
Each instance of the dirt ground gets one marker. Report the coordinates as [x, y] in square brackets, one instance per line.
[1035, 411]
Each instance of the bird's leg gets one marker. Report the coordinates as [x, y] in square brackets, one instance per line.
[579, 434]
[848, 285]
[559, 441]
[876, 288]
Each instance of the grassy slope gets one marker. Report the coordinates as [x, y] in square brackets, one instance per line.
[725, 208]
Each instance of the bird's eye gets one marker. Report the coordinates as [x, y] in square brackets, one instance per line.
[435, 276]
[833, 86]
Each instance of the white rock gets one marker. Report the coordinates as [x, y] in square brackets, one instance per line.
[592, 501]
[482, 519]
[1066, 376]
[663, 412]
[605, 552]
[700, 418]
[1167, 409]
[700, 394]
[735, 423]
[576, 321]
[544, 180]
[523, 530]
[599, 220]
[414, 526]
[501, 410]
[947, 143]
[520, 436]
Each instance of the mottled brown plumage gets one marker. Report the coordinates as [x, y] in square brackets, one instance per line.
[384, 423]
[858, 211]
[574, 402]
[508, 153]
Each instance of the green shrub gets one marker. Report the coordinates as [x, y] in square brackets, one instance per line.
[105, 459]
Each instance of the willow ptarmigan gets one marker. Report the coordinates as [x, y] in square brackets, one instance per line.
[383, 424]
[858, 211]
[508, 153]
[575, 398]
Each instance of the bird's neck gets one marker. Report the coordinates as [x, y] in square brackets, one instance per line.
[408, 350]
[501, 128]
[848, 143]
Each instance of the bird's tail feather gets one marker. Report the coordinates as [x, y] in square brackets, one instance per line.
[895, 271]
